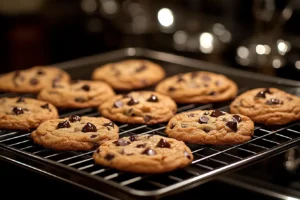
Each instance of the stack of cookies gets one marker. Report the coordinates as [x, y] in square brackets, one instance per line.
[118, 91]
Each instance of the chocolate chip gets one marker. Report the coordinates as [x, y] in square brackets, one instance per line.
[18, 110]
[56, 81]
[191, 115]
[153, 98]
[109, 124]
[237, 118]
[93, 136]
[20, 100]
[273, 101]
[217, 113]
[118, 104]
[172, 126]
[180, 78]
[212, 93]
[55, 84]
[206, 130]
[149, 136]
[183, 125]
[163, 143]
[133, 138]
[262, 94]
[132, 102]
[149, 152]
[121, 142]
[74, 118]
[89, 127]
[34, 81]
[96, 145]
[217, 83]
[140, 146]
[98, 151]
[80, 100]
[109, 157]
[171, 89]
[186, 154]
[289, 98]
[46, 106]
[147, 118]
[203, 120]
[40, 72]
[206, 113]
[232, 125]
[141, 68]
[194, 74]
[86, 88]
[205, 78]
[64, 124]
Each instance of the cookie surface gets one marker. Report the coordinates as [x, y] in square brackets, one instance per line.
[32, 80]
[141, 107]
[24, 113]
[269, 106]
[210, 127]
[129, 74]
[144, 154]
[198, 87]
[79, 94]
[75, 133]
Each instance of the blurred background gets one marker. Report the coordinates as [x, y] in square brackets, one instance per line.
[254, 35]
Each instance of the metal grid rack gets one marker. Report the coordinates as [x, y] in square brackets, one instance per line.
[79, 168]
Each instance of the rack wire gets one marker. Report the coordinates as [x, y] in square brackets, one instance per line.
[209, 161]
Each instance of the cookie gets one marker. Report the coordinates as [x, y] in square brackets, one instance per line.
[78, 94]
[32, 80]
[24, 113]
[198, 87]
[269, 106]
[130, 74]
[212, 127]
[142, 107]
[144, 154]
[75, 133]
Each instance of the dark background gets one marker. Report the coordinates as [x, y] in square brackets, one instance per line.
[41, 32]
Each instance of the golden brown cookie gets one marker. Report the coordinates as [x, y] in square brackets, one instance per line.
[78, 94]
[32, 80]
[269, 106]
[142, 107]
[198, 87]
[130, 74]
[213, 127]
[144, 154]
[75, 133]
[24, 113]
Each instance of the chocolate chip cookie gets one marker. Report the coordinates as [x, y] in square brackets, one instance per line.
[269, 106]
[142, 107]
[32, 80]
[144, 154]
[130, 74]
[24, 113]
[78, 94]
[198, 87]
[75, 133]
[213, 127]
